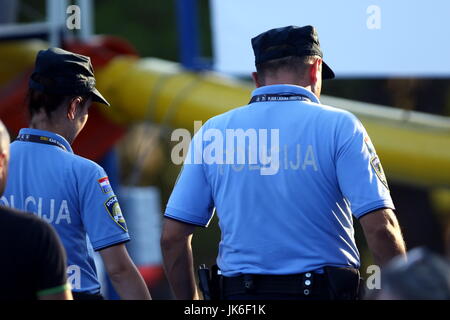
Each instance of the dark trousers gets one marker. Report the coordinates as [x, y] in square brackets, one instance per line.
[86, 296]
[276, 287]
[278, 296]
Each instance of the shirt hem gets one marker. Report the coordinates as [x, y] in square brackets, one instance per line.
[107, 242]
[111, 245]
[373, 206]
[184, 221]
[318, 269]
[184, 216]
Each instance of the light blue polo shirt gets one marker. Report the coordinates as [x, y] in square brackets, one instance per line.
[71, 193]
[285, 202]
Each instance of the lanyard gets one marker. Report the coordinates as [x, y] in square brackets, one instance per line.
[278, 97]
[40, 139]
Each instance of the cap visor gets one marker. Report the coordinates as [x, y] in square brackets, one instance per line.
[97, 97]
[327, 73]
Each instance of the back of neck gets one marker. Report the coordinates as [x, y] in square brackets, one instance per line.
[48, 125]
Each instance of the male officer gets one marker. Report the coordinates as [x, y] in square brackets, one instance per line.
[33, 258]
[286, 214]
[68, 191]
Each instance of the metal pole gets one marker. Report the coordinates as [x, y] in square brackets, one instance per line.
[56, 19]
[188, 33]
[87, 9]
[8, 13]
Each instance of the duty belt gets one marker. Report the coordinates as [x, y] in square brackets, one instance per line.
[304, 283]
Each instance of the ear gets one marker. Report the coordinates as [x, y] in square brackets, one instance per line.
[3, 171]
[3, 163]
[315, 72]
[256, 79]
[2, 159]
[73, 108]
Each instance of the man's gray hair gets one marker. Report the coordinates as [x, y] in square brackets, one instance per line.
[295, 64]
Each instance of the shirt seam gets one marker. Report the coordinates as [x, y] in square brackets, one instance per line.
[95, 247]
[363, 210]
[182, 218]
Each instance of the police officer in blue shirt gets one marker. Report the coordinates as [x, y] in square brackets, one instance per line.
[286, 175]
[70, 192]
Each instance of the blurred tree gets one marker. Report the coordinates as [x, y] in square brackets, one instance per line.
[149, 25]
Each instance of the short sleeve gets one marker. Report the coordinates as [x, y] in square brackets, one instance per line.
[359, 171]
[100, 210]
[51, 260]
[191, 199]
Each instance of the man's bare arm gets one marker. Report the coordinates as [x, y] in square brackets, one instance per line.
[383, 235]
[178, 261]
[124, 275]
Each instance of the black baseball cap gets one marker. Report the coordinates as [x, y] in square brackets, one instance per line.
[68, 72]
[289, 41]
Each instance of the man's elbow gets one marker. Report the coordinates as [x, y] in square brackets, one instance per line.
[166, 241]
[175, 234]
[387, 232]
[169, 240]
[383, 234]
[118, 272]
[381, 224]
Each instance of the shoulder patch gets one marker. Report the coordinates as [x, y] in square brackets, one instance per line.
[376, 165]
[113, 208]
[104, 185]
[375, 161]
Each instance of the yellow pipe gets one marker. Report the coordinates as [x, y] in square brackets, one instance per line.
[162, 92]
[16, 57]
[410, 155]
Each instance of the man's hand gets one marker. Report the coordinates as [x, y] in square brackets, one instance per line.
[383, 235]
[178, 261]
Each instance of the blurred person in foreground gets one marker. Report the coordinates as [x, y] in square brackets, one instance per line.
[70, 192]
[286, 213]
[33, 259]
[425, 276]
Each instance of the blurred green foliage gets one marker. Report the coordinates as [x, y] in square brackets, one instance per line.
[151, 26]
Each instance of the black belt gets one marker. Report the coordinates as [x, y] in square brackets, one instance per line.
[87, 296]
[304, 283]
